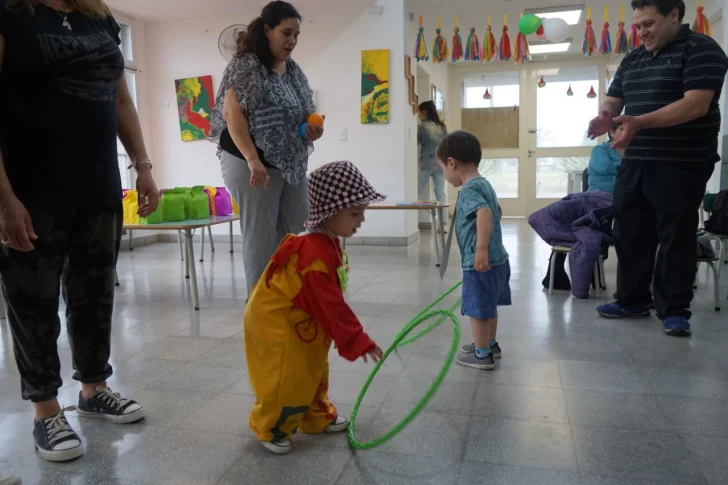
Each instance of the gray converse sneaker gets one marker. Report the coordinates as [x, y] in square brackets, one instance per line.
[111, 406]
[337, 425]
[472, 360]
[495, 350]
[278, 447]
[55, 440]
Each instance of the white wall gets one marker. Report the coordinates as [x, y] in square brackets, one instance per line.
[329, 52]
[385, 153]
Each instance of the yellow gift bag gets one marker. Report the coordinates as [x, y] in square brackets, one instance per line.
[236, 209]
[130, 202]
[211, 192]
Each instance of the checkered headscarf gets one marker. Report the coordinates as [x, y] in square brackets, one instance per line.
[337, 186]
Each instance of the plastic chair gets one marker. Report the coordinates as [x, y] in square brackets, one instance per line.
[598, 270]
[714, 265]
[707, 207]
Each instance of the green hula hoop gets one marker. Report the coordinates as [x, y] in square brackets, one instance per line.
[400, 340]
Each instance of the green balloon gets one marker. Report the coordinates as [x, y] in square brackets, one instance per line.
[529, 24]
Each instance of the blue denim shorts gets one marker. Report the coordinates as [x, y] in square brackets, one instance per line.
[484, 292]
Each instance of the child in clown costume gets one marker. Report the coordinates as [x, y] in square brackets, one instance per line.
[297, 309]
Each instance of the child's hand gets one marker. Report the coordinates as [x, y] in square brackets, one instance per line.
[481, 260]
[376, 355]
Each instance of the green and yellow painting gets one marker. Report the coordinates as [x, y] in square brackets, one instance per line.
[194, 104]
[375, 86]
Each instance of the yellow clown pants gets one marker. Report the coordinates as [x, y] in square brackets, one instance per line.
[288, 366]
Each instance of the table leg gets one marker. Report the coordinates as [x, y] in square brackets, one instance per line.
[116, 278]
[212, 243]
[446, 249]
[441, 235]
[187, 254]
[192, 270]
[3, 309]
[131, 240]
[231, 238]
[202, 246]
[433, 215]
[181, 249]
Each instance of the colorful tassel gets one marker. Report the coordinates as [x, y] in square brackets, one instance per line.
[457, 43]
[473, 51]
[487, 94]
[490, 48]
[605, 46]
[620, 41]
[541, 82]
[591, 94]
[523, 53]
[439, 48]
[421, 45]
[504, 49]
[590, 40]
[569, 92]
[701, 24]
[633, 41]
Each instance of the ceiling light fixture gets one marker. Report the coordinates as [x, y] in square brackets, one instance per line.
[570, 14]
[549, 48]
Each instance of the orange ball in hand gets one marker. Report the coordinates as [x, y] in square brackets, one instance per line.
[315, 119]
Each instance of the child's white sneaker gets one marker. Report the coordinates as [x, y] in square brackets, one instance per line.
[337, 425]
[278, 447]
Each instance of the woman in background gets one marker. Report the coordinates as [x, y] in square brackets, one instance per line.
[604, 163]
[430, 132]
[263, 98]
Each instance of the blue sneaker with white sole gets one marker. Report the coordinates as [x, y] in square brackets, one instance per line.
[676, 326]
[615, 310]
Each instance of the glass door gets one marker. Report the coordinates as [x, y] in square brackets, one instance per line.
[492, 110]
[564, 98]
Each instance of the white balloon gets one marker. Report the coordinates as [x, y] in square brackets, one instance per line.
[556, 30]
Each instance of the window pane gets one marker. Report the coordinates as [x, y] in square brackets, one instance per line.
[504, 90]
[502, 173]
[126, 45]
[562, 120]
[554, 174]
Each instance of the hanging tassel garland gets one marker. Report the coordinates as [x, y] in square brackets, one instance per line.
[473, 51]
[439, 48]
[633, 41]
[620, 41]
[523, 53]
[490, 48]
[590, 40]
[421, 45]
[701, 24]
[605, 46]
[457, 43]
[504, 49]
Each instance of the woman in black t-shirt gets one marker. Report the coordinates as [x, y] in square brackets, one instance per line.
[64, 102]
[264, 97]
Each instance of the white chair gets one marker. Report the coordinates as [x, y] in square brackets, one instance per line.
[598, 270]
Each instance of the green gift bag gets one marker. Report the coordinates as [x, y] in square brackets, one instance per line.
[198, 204]
[153, 218]
[173, 205]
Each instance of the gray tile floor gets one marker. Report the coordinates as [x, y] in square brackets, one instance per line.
[576, 399]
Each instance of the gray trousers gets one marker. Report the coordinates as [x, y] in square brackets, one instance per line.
[266, 216]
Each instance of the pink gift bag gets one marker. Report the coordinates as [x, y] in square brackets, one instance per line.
[221, 203]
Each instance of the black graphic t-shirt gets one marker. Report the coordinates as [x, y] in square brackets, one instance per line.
[58, 107]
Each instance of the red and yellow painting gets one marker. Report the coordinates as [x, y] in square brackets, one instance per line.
[194, 104]
[375, 86]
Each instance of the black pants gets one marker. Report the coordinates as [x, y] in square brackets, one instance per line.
[657, 205]
[78, 249]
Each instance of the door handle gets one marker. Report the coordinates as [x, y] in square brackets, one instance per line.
[533, 131]
[531, 153]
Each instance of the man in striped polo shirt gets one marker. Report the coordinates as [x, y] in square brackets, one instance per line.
[669, 90]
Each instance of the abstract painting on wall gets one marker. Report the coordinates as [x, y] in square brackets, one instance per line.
[194, 104]
[375, 86]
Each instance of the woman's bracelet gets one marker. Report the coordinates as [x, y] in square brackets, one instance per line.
[143, 161]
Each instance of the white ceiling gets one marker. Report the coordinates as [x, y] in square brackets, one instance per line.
[156, 10]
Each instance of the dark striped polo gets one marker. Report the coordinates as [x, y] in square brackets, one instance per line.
[647, 83]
